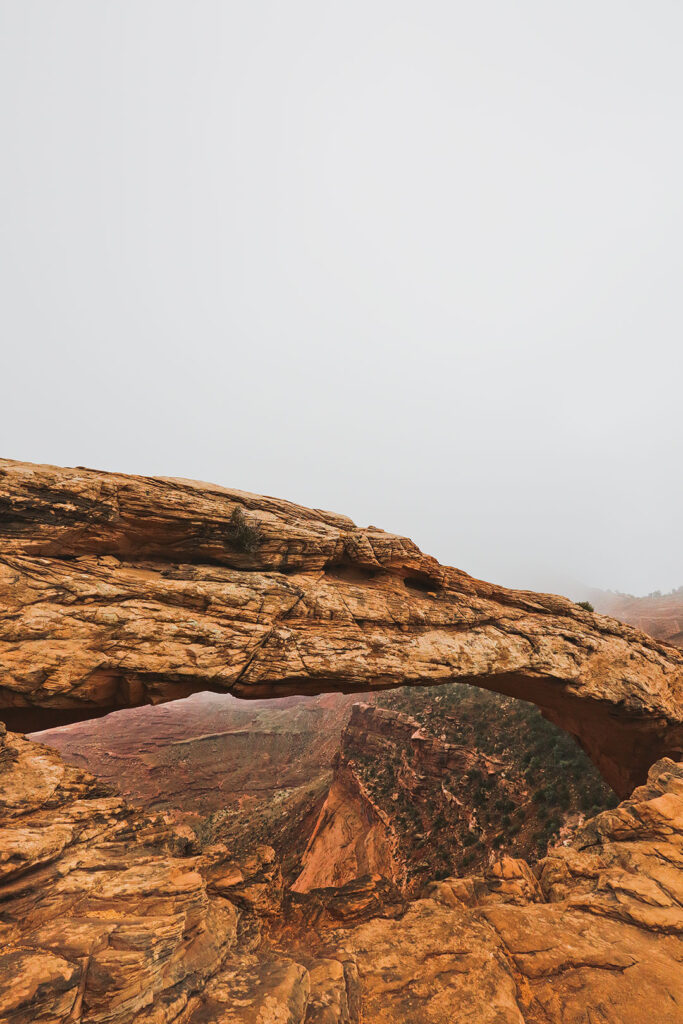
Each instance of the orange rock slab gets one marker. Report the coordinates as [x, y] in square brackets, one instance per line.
[119, 590]
[116, 591]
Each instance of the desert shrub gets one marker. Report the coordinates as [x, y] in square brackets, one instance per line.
[206, 831]
[481, 795]
[591, 799]
[504, 804]
[540, 840]
[586, 605]
[563, 797]
[241, 534]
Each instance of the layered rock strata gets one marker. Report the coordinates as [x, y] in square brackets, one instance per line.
[660, 615]
[354, 835]
[119, 590]
[110, 915]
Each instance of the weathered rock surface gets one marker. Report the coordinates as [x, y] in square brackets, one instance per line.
[120, 590]
[596, 937]
[108, 916]
[354, 835]
[116, 591]
[100, 916]
[111, 915]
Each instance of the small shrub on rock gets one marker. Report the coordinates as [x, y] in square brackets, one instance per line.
[241, 534]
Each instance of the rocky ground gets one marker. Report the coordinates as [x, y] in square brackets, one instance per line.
[113, 916]
[439, 791]
[117, 591]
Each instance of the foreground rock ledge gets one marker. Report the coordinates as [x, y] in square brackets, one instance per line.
[110, 915]
[120, 590]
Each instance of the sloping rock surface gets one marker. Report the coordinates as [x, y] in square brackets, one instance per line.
[109, 915]
[351, 838]
[119, 590]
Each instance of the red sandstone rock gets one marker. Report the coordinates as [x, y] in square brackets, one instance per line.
[353, 837]
[110, 916]
[123, 590]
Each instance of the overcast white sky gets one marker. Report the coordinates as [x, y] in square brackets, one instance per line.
[415, 262]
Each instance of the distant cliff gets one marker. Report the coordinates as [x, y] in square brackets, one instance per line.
[438, 791]
[660, 615]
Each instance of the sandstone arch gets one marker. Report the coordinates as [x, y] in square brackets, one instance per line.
[118, 590]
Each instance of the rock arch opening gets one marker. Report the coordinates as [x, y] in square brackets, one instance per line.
[113, 593]
[92, 619]
[409, 784]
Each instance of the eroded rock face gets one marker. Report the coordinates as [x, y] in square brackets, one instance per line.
[120, 590]
[596, 936]
[111, 915]
[352, 837]
[354, 834]
[100, 914]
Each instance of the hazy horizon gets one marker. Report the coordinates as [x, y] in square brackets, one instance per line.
[419, 264]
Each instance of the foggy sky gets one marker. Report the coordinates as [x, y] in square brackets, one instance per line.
[418, 262]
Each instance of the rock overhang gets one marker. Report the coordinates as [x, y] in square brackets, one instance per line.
[120, 590]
